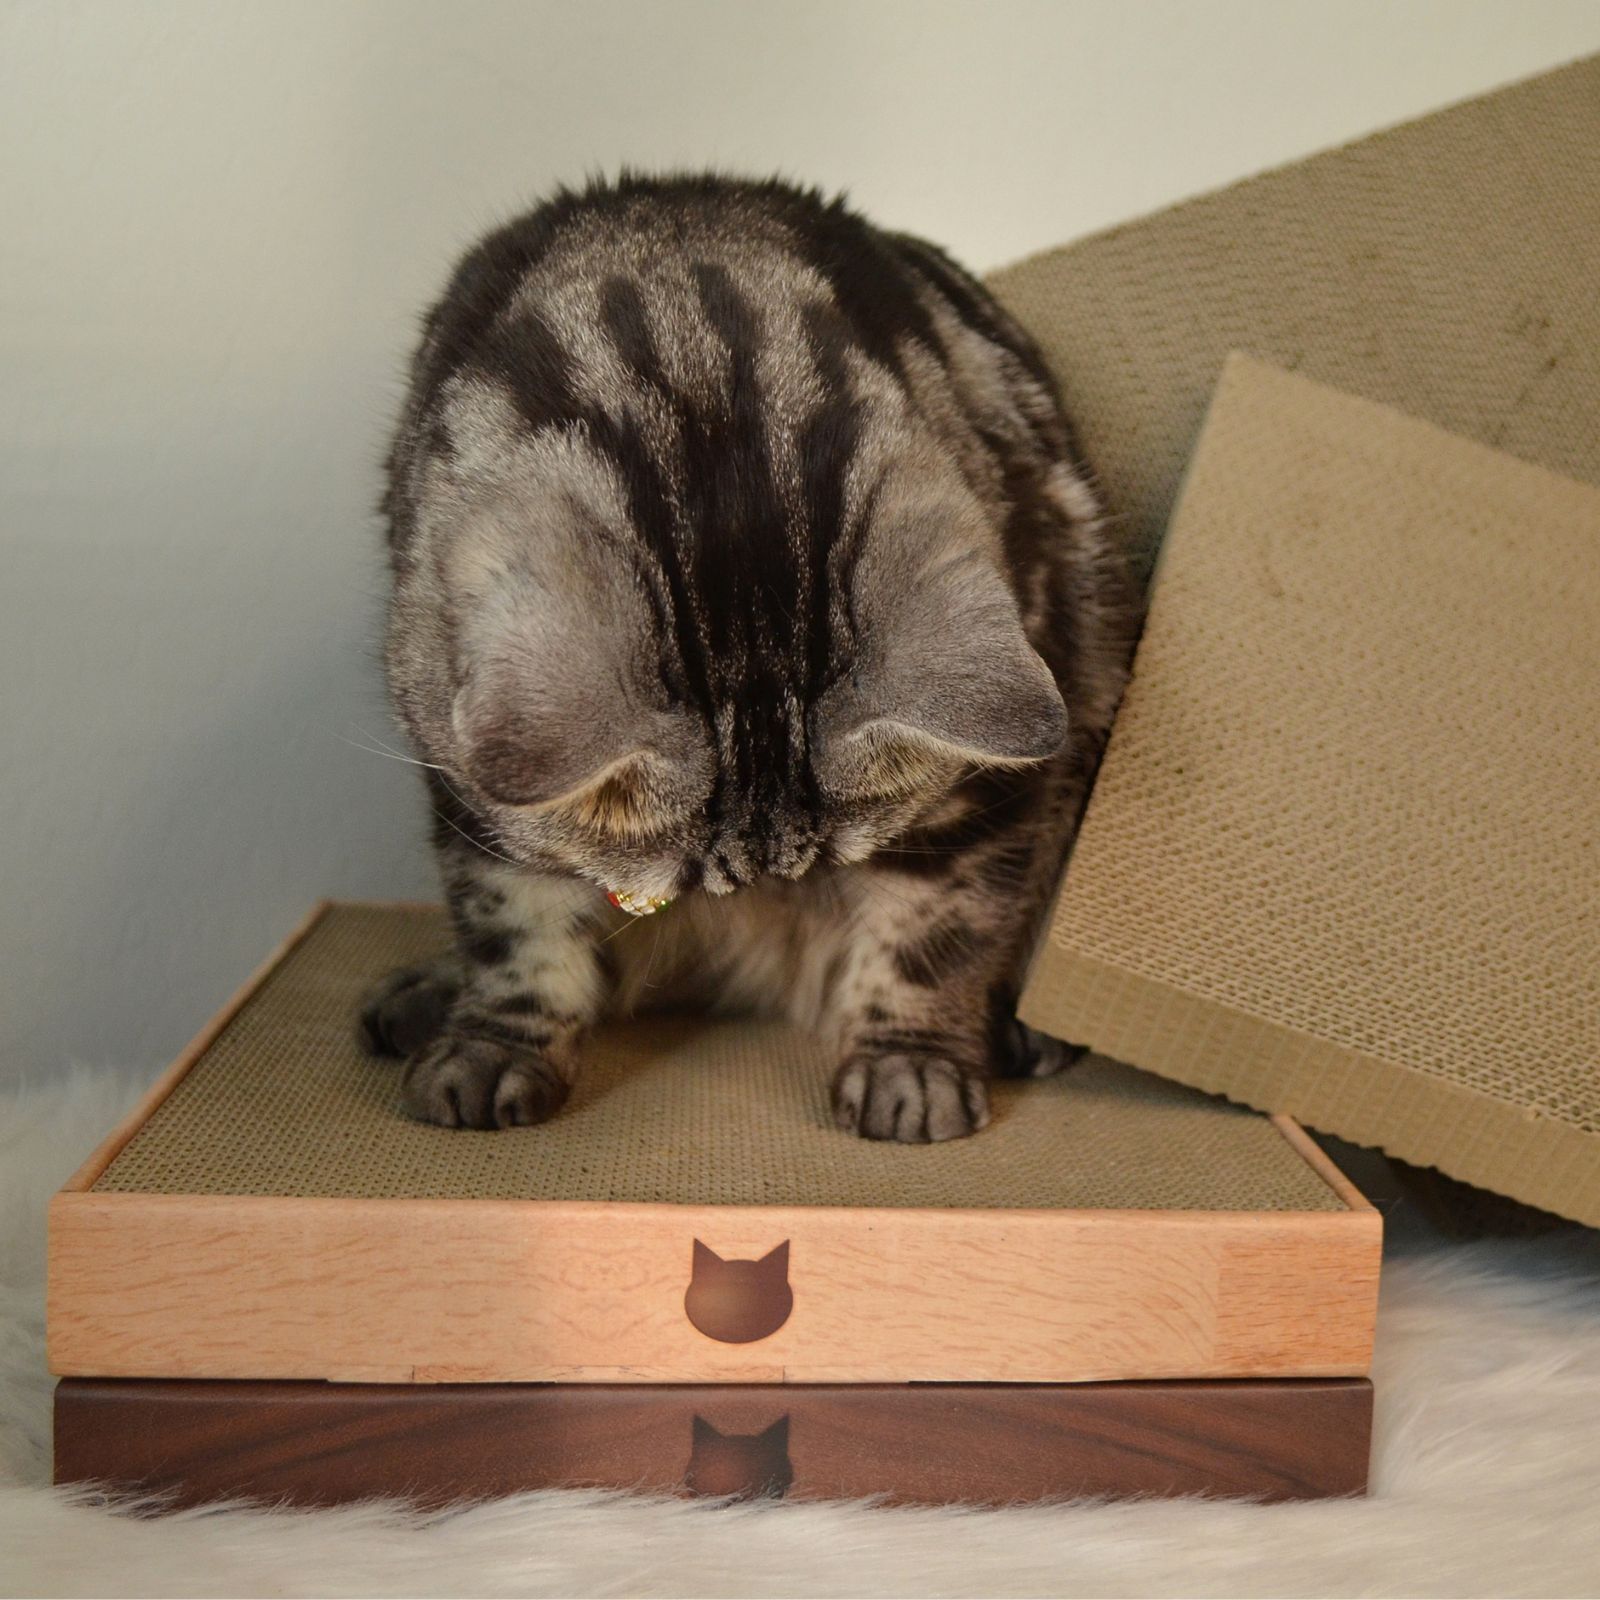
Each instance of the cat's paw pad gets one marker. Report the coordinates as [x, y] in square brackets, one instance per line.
[405, 1011]
[464, 1082]
[911, 1099]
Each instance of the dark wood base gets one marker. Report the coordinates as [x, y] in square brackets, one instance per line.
[323, 1444]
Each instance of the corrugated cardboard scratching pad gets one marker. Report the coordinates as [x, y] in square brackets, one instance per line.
[667, 1112]
[1341, 859]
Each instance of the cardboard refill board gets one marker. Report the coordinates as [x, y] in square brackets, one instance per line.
[1445, 267]
[691, 1216]
[1342, 859]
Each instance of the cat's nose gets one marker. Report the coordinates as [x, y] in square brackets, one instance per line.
[728, 869]
[747, 862]
[792, 857]
[798, 863]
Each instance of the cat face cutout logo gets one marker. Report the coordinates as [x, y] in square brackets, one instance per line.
[739, 1301]
[746, 1465]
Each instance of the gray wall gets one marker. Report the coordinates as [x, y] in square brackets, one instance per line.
[219, 221]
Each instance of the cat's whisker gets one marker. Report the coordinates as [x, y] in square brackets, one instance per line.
[477, 844]
[617, 932]
[655, 950]
[388, 749]
[388, 755]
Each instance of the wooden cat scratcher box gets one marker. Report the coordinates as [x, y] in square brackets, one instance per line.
[692, 1238]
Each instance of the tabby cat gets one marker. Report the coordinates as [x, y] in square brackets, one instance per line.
[743, 573]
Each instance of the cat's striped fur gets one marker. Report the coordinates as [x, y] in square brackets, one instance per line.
[740, 556]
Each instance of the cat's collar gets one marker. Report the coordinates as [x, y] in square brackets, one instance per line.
[637, 905]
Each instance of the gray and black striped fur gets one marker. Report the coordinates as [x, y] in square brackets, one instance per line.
[740, 556]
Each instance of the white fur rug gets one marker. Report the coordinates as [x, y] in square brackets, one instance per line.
[1486, 1478]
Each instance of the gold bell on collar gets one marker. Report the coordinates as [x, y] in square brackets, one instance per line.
[637, 905]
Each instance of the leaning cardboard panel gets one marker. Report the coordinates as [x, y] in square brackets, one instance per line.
[1445, 267]
[1343, 856]
[270, 1214]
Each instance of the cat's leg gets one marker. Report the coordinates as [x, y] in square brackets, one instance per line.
[925, 1006]
[531, 983]
[1024, 1052]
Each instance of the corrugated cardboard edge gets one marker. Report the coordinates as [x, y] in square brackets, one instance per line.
[1269, 1067]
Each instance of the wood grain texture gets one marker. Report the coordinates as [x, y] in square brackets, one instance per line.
[322, 1444]
[505, 1291]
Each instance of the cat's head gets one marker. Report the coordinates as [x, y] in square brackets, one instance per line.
[687, 595]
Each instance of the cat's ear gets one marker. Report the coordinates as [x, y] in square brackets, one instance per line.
[702, 1432]
[705, 1258]
[778, 1433]
[558, 697]
[776, 1261]
[551, 713]
[946, 677]
[524, 741]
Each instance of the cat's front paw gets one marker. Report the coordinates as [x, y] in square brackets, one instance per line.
[913, 1099]
[464, 1082]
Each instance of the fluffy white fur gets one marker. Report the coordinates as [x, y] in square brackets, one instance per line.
[1486, 1482]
